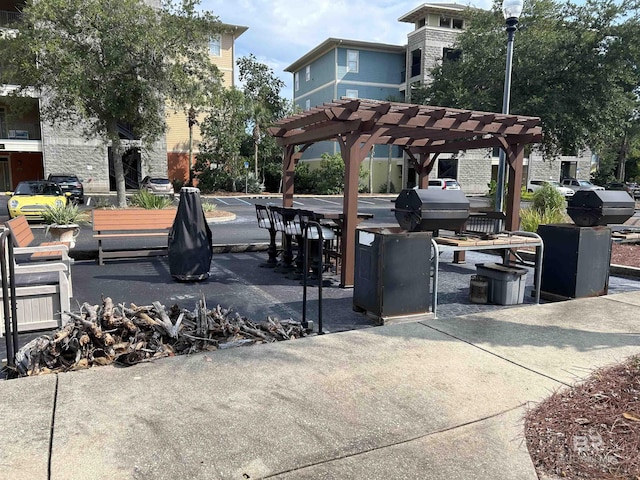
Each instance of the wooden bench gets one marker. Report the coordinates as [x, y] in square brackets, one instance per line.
[131, 223]
[23, 237]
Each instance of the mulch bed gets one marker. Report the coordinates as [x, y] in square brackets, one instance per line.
[627, 254]
[592, 430]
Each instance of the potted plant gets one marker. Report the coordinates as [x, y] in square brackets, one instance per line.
[63, 223]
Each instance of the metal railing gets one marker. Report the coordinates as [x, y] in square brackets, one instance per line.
[7, 18]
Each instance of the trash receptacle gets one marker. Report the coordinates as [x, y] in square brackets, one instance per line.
[506, 283]
[392, 269]
[190, 248]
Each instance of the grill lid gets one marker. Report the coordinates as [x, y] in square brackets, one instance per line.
[431, 209]
[588, 208]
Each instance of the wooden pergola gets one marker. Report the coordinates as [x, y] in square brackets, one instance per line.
[423, 132]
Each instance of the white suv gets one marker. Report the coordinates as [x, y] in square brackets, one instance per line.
[536, 184]
[576, 185]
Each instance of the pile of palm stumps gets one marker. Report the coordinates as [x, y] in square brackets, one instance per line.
[108, 333]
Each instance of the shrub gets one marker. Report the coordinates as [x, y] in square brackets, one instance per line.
[392, 188]
[547, 199]
[148, 200]
[548, 207]
[64, 215]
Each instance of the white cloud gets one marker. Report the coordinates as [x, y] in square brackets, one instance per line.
[281, 31]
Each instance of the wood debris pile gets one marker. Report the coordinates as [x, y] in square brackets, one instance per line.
[108, 333]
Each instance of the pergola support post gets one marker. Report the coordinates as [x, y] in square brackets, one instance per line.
[353, 155]
[515, 158]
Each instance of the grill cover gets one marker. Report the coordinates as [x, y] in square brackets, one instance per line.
[589, 208]
[431, 209]
[190, 248]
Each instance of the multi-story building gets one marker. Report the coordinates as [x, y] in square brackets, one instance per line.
[222, 54]
[391, 72]
[31, 148]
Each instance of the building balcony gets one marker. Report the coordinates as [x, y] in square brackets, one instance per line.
[8, 18]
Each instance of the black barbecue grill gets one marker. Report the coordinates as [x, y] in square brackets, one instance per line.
[590, 208]
[577, 257]
[430, 209]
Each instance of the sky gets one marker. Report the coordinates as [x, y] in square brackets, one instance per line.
[281, 31]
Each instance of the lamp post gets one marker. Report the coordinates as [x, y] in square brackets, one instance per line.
[511, 9]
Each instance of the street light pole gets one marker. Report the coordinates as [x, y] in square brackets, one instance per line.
[511, 10]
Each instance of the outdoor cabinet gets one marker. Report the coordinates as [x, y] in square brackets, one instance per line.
[392, 269]
[576, 261]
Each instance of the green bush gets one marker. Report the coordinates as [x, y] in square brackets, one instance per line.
[145, 199]
[392, 188]
[213, 179]
[548, 199]
[68, 214]
[548, 207]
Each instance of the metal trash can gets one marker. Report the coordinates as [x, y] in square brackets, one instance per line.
[190, 248]
[392, 269]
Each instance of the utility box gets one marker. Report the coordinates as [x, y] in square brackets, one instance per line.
[506, 283]
[576, 261]
[392, 270]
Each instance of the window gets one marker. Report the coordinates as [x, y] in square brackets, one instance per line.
[214, 46]
[352, 61]
[296, 80]
[422, 22]
[307, 73]
[416, 62]
[451, 54]
[3, 123]
[351, 93]
[458, 23]
[445, 22]
[307, 104]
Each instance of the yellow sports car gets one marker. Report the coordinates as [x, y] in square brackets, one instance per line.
[33, 197]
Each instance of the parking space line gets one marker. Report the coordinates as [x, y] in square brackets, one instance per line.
[220, 200]
[327, 201]
[367, 203]
[243, 201]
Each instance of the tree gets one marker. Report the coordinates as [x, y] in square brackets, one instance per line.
[576, 67]
[262, 90]
[101, 63]
[223, 131]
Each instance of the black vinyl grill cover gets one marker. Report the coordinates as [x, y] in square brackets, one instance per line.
[431, 209]
[190, 248]
[589, 208]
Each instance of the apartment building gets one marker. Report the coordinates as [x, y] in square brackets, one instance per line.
[31, 148]
[222, 54]
[348, 68]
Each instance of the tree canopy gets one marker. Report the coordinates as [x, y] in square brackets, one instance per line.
[575, 66]
[100, 63]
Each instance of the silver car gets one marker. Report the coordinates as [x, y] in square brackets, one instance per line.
[156, 185]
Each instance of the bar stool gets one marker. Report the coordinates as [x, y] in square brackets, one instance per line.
[318, 263]
[265, 221]
[280, 217]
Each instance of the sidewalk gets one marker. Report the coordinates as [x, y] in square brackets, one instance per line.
[437, 399]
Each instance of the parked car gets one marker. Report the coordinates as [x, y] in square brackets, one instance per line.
[576, 185]
[69, 183]
[537, 184]
[445, 183]
[157, 185]
[32, 198]
[631, 188]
